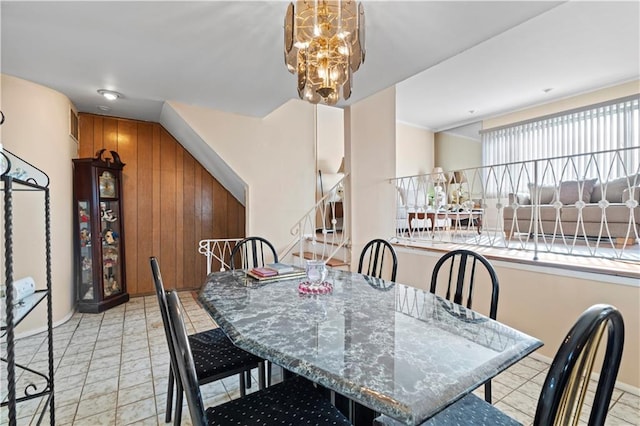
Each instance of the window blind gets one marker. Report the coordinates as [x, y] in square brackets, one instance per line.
[573, 135]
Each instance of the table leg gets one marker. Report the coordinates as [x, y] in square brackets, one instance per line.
[358, 414]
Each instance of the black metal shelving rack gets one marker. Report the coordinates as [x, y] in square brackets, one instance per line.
[18, 175]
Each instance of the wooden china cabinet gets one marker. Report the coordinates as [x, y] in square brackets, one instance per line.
[99, 233]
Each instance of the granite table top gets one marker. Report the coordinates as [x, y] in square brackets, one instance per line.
[398, 350]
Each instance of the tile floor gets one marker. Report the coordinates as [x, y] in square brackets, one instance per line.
[111, 369]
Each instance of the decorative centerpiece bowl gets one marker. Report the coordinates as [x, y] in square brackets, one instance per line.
[316, 271]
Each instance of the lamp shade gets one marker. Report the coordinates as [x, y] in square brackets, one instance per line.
[437, 174]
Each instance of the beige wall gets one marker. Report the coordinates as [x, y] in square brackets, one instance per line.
[370, 157]
[414, 150]
[330, 147]
[453, 152]
[330, 138]
[545, 303]
[274, 156]
[586, 99]
[37, 129]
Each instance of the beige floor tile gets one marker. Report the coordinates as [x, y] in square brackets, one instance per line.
[28, 408]
[105, 362]
[137, 411]
[631, 400]
[130, 366]
[104, 373]
[625, 412]
[135, 393]
[531, 389]
[71, 360]
[107, 418]
[128, 346]
[523, 371]
[103, 387]
[70, 382]
[509, 379]
[521, 401]
[615, 421]
[135, 355]
[131, 379]
[107, 352]
[540, 377]
[73, 349]
[69, 396]
[71, 370]
[160, 383]
[100, 404]
[64, 413]
[151, 421]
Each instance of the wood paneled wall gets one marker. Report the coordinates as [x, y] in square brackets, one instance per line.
[170, 201]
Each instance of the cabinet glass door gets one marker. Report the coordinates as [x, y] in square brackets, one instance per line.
[110, 225]
[86, 264]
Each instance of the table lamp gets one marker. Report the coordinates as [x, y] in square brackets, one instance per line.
[437, 176]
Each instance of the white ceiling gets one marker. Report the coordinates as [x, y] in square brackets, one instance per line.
[489, 57]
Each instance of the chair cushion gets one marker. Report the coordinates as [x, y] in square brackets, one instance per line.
[470, 410]
[214, 354]
[292, 402]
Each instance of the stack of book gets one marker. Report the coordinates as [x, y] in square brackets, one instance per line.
[264, 272]
[276, 271]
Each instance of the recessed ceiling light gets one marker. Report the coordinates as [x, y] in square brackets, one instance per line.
[104, 108]
[109, 94]
[547, 90]
[471, 111]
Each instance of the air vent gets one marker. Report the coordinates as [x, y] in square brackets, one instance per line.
[73, 124]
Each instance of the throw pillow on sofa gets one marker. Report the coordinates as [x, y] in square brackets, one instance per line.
[570, 191]
[613, 189]
[545, 193]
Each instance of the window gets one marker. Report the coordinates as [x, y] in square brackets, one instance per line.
[573, 135]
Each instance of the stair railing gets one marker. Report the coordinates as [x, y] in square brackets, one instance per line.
[218, 249]
[322, 219]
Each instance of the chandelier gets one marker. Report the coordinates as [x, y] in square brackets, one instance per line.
[324, 45]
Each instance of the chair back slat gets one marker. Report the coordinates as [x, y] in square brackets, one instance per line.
[251, 252]
[184, 361]
[562, 396]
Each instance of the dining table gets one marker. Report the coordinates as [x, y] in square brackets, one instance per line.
[395, 349]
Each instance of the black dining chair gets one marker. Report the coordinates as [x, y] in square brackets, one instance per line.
[460, 270]
[373, 256]
[565, 387]
[250, 253]
[293, 402]
[216, 356]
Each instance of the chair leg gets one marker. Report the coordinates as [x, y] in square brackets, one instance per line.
[487, 392]
[178, 414]
[243, 385]
[268, 365]
[169, 408]
[248, 378]
[261, 381]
